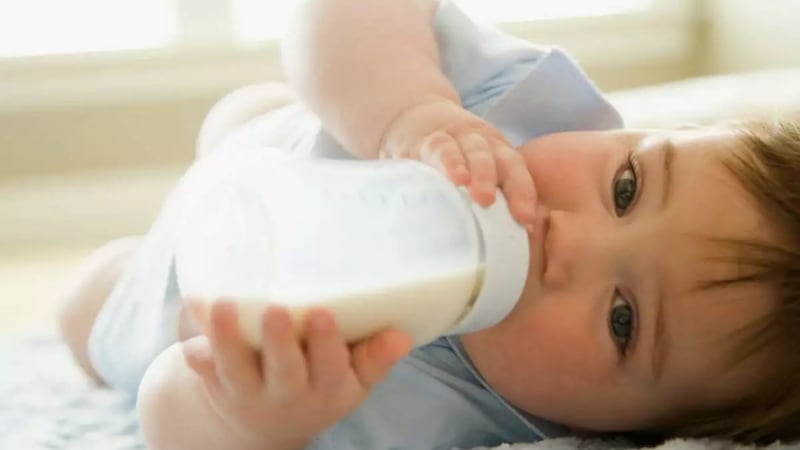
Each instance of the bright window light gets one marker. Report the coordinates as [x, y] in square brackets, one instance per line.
[39, 27]
[498, 11]
[256, 20]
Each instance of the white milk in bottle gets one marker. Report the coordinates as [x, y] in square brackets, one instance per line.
[381, 244]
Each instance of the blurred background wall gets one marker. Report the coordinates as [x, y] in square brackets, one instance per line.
[95, 126]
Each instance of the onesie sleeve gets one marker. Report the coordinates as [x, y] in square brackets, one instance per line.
[480, 60]
[525, 90]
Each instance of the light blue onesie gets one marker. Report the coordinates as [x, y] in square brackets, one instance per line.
[434, 398]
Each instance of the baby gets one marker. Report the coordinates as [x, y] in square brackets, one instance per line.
[661, 297]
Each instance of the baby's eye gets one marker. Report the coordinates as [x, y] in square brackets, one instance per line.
[624, 189]
[621, 322]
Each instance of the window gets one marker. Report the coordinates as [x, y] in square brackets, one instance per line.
[256, 20]
[36, 27]
[499, 11]
[126, 50]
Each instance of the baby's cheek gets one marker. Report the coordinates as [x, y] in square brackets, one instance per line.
[556, 360]
[563, 336]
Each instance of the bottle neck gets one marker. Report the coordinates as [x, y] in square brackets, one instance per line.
[505, 267]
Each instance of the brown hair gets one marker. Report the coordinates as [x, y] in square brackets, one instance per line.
[769, 169]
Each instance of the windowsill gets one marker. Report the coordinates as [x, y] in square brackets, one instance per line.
[70, 81]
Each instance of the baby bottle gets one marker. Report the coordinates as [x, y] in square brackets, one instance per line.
[380, 244]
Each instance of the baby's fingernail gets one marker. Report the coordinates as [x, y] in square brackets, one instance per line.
[197, 310]
[222, 314]
[459, 175]
[491, 193]
[223, 306]
[530, 214]
[277, 320]
[320, 322]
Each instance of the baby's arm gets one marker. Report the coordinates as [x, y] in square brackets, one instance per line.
[370, 70]
[358, 64]
[216, 392]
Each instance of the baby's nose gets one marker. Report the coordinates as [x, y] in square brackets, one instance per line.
[564, 245]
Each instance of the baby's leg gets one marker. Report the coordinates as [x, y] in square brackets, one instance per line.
[237, 108]
[86, 293]
[171, 389]
[96, 276]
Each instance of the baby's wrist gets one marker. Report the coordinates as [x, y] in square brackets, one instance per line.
[401, 128]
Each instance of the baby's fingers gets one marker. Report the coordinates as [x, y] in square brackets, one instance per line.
[374, 358]
[517, 184]
[236, 363]
[442, 152]
[283, 361]
[198, 356]
[328, 355]
[482, 167]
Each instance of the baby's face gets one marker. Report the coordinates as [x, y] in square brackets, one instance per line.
[611, 332]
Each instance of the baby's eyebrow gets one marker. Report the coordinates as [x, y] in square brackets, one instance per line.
[668, 149]
[660, 346]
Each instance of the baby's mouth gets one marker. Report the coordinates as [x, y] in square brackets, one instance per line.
[538, 237]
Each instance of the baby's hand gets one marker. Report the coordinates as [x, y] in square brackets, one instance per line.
[467, 149]
[286, 393]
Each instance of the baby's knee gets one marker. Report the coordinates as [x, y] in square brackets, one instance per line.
[153, 393]
[157, 382]
[158, 399]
